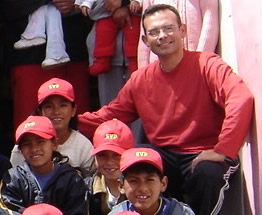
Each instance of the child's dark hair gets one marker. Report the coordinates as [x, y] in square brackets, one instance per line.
[72, 123]
[141, 167]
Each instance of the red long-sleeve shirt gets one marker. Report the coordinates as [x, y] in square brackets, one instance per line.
[200, 105]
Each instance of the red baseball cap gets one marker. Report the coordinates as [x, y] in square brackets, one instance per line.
[139, 155]
[56, 86]
[127, 213]
[42, 209]
[112, 135]
[39, 125]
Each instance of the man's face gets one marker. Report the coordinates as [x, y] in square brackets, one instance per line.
[143, 191]
[163, 34]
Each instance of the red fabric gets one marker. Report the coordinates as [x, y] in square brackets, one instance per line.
[26, 80]
[200, 105]
[106, 32]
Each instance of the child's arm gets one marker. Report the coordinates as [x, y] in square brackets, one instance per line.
[10, 193]
[84, 5]
[76, 197]
[210, 26]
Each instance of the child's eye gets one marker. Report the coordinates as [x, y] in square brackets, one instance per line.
[132, 180]
[24, 144]
[47, 106]
[64, 105]
[101, 155]
[42, 141]
[150, 179]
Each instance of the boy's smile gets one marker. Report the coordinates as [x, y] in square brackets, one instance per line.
[37, 151]
[143, 191]
[108, 164]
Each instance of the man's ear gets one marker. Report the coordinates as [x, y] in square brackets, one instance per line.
[120, 186]
[144, 39]
[183, 30]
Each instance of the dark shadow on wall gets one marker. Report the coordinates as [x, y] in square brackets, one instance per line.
[6, 119]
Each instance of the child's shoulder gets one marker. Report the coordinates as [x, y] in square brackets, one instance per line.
[173, 207]
[123, 206]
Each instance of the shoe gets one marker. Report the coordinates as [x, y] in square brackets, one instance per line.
[27, 43]
[51, 63]
[100, 66]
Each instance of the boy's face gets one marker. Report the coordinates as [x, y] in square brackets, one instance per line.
[108, 164]
[59, 110]
[38, 151]
[143, 191]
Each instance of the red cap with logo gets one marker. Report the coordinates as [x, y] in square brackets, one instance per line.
[139, 155]
[112, 135]
[42, 209]
[39, 125]
[127, 213]
[56, 86]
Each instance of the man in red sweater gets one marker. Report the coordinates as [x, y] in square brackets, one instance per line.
[195, 111]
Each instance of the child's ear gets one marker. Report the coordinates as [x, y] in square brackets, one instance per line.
[74, 110]
[120, 186]
[164, 183]
[54, 142]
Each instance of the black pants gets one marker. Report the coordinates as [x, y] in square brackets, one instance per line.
[203, 190]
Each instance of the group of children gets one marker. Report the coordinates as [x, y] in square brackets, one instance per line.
[44, 177]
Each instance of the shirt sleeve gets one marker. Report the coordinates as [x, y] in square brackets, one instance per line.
[11, 196]
[231, 93]
[121, 108]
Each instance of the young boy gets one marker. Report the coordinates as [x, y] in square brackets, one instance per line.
[142, 181]
[110, 140]
[43, 177]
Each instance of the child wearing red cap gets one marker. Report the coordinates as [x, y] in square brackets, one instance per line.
[44, 177]
[127, 213]
[110, 140]
[42, 209]
[142, 181]
[56, 100]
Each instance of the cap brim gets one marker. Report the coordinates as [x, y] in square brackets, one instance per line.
[141, 161]
[38, 133]
[112, 148]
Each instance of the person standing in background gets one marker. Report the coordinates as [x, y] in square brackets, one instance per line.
[202, 20]
[24, 66]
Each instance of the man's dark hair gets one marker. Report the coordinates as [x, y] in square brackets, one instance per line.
[158, 7]
[141, 168]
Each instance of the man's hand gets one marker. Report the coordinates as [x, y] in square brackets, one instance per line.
[208, 155]
[121, 17]
[64, 6]
[112, 5]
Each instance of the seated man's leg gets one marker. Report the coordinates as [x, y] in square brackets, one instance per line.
[204, 188]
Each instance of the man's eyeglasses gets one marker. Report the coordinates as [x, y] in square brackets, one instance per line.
[167, 29]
